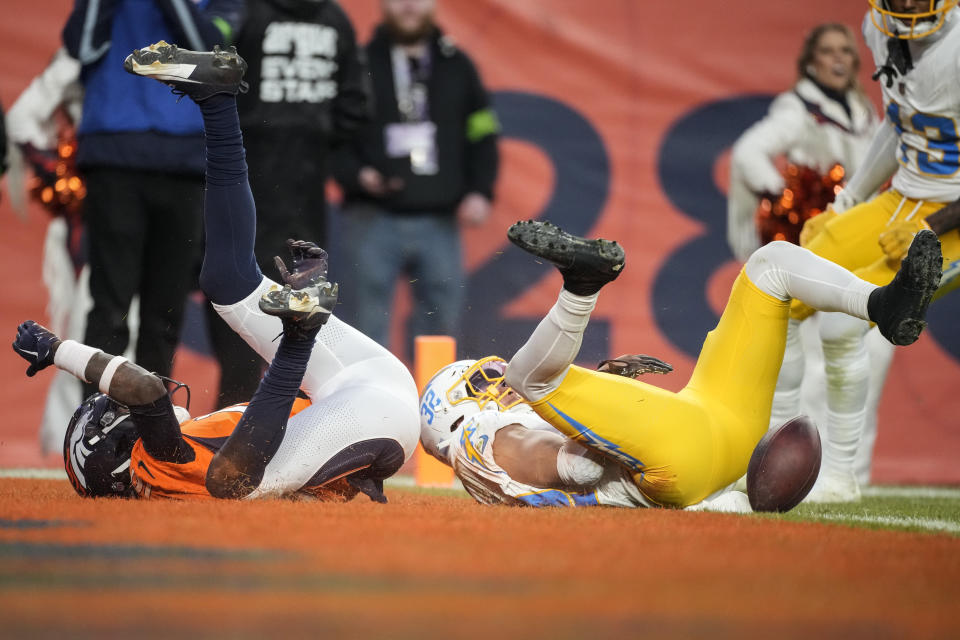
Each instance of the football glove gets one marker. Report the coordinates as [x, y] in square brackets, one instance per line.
[896, 240]
[309, 265]
[813, 226]
[35, 344]
[634, 366]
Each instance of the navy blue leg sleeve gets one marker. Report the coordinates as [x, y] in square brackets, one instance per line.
[238, 466]
[230, 272]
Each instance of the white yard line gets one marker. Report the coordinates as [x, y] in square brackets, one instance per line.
[930, 524]
[912, 492]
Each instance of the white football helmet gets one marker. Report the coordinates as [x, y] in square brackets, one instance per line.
[458, 391]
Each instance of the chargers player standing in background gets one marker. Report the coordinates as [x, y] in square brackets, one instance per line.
[916, 48]
[822, 127]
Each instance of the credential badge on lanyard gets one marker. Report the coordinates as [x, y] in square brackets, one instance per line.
[416, 136]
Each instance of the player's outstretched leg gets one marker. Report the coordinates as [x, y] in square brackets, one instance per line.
[212, 79]
[586, 266]
[237, 468]
[899, 309]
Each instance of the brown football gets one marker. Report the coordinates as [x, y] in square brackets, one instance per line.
[784, 466]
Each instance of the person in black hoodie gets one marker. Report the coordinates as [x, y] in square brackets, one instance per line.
[426, 164]
[308, 93]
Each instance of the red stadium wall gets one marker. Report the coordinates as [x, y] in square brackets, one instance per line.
[616, 118]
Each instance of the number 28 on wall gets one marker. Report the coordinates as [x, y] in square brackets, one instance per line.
[941, 155]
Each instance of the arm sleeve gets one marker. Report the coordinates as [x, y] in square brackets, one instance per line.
[353, 104]
[346, 165]
[159, 429]
[31, 116]
[880, 162]
[482, 129]
[754, 152]
[743, 238]
[352, 109]
[86, 35]
[201, 29]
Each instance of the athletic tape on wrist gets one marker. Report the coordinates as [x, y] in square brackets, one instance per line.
[73, 357]
[108, 372]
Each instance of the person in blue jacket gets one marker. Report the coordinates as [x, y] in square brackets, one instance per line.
[143, 164]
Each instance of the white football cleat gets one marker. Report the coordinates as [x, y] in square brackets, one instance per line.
[726, 502]
[834, 487]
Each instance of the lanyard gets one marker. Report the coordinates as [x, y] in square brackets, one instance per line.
[411, 89]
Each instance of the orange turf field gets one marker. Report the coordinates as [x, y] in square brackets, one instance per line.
[441, 566]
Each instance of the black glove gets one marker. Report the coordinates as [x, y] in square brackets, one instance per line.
[308, 265]
[634, 366]
[35, 344]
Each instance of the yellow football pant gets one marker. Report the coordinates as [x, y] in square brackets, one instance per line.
[685, 446]
[851, 240]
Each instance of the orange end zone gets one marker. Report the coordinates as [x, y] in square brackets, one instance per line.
[431, 353]
[427, 566]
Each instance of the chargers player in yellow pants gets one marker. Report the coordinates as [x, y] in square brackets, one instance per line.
[915, 46]
[684, 447]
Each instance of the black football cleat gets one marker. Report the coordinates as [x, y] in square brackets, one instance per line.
[302, 311]
[586, 265]
[900, 308]
[197, 74]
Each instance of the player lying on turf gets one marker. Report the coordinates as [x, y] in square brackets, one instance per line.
[276, 445]
[647, 446]
[916, 46]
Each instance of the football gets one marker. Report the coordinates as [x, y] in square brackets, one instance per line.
[784, 466]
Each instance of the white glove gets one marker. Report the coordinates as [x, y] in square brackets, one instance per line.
[844, 201]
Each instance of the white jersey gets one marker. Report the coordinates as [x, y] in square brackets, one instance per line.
[924, 108]
[471, 455]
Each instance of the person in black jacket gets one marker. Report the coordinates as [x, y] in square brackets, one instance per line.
[308, 93]
[426, 164]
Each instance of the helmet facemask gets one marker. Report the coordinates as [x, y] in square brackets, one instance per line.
[483, 383]
[910, 26]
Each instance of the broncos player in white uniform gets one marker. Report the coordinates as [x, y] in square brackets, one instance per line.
[916, 48]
